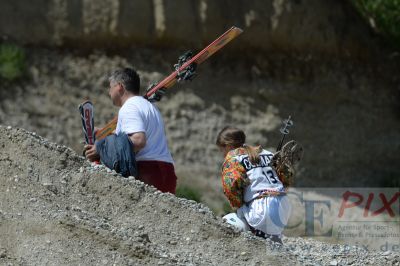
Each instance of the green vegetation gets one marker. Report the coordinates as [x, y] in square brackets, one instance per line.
[188, 193]
[383, 16]
[12, 62]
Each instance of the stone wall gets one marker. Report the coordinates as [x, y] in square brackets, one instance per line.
[289, 26]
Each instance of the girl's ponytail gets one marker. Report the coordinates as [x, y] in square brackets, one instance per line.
[253, 152]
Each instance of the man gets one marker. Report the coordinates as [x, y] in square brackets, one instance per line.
[142, 122]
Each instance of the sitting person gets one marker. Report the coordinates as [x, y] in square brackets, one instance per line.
[252, 187]
[141, 121]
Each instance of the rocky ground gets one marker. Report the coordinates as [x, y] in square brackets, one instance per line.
[58, 209]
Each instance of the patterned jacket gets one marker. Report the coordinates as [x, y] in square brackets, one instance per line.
[234, 178]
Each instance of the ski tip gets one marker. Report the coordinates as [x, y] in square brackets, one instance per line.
[83, 103]
[86, 100]
[237, 29]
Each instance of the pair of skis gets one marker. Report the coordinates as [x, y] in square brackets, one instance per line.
[184, 70]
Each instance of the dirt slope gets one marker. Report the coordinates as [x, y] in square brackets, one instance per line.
[57, 209]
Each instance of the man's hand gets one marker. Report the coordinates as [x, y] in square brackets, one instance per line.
[91, 153]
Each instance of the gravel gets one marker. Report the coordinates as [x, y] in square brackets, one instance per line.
[75, 212]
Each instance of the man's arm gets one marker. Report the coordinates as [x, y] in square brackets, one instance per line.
[139, 140]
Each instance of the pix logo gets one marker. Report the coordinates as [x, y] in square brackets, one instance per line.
[351, 205]
[386, 205]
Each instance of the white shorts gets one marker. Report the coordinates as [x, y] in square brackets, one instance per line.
[269, 214]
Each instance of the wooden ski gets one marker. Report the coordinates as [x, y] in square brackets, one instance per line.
[184, 70]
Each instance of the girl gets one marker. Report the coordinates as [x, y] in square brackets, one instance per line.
[252, 186]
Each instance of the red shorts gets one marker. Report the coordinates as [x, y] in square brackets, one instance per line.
[158, 174]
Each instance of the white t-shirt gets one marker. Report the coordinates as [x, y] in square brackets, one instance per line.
[139, 115]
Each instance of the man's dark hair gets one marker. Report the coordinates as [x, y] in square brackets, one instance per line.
[128, 78]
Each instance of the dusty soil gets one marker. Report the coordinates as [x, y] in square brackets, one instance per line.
[56, 208]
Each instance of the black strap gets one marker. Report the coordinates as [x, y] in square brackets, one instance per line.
[273, 238]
